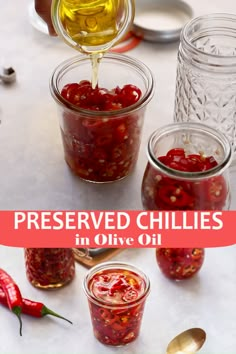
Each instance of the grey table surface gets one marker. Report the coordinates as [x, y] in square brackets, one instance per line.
[35, 176]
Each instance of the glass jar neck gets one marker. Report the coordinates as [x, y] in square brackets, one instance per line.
[183, 132]
[209, 43]
[145, 75]
[120, 266]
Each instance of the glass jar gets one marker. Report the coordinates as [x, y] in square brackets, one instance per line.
[180, 263]
[92, 26]
[49, 268]
[206, 73]
[102, 146]
[187, 169]
[116, 294]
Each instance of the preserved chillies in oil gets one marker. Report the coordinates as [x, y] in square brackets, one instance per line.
[104, 148]
[49, 267]
[180, 263]
[118, 309]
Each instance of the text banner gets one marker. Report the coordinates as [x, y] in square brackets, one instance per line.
[121, 229]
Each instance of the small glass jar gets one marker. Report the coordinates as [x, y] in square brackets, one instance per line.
[49, 268]
[116, 294]
[180, 263]
[175, 152]
[92, 26]
[102, 146]
[206, 73]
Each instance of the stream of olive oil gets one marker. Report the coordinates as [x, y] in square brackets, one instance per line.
[92, 24]
[95, 60]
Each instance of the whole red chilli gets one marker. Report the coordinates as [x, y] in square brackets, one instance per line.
[13, 295]
[32, 308]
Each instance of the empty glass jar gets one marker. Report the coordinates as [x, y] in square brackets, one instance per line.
[206, 73]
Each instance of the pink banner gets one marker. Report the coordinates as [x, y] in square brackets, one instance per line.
[119, 229]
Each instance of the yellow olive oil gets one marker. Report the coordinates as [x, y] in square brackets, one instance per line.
[92, 26]
[91, 22]
[95, 60]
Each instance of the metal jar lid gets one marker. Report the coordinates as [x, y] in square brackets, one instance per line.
[160, 20]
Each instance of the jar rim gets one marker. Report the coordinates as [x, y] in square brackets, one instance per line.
[222, 60]
[184, 175]
[115, 265]
[65, 65]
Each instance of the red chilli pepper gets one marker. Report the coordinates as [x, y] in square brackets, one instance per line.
[32, 308]
[13, 295]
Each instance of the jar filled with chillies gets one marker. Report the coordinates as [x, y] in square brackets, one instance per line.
[116, 294]
[180, 263]
[101, 127]
[49, 268]
[187, 170]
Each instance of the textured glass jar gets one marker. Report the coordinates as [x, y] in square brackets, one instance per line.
[166, 188]
[206, 73]
[49, 268]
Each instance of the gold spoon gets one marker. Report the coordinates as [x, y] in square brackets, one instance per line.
[187, 342]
